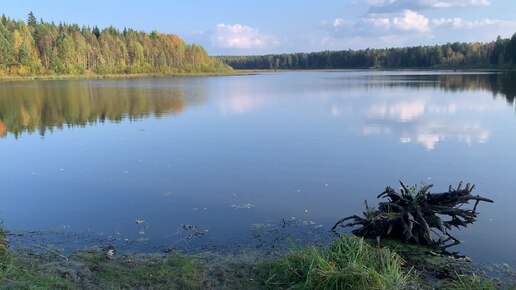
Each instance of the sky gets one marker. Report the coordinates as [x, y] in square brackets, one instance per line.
[230, 27]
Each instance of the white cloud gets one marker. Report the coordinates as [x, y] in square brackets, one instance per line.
[341, 22]
[409, 27]
[379, 24]
[398, 5]
[458, 3]
[484, 29]
[240, 37]
[396, 23]
[457, 22]
[407, 20]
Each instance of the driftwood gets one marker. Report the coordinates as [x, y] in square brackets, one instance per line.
[414, 215]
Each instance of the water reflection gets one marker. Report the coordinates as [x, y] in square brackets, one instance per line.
[240, 104]
[45, 106]
[428, 117]
[429, 133]
[503, 84]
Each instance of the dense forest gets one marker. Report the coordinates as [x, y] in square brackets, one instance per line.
[42, 48]
[497, 54]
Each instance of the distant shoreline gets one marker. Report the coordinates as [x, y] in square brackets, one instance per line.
[251, 71]
[236, 72]
[111, 76]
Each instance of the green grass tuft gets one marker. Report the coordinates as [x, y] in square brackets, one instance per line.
[349, 263]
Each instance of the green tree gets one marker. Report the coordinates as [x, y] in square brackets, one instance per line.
[31, 20]
[510, 50]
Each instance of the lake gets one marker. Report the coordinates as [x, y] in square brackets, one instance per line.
[133, 160]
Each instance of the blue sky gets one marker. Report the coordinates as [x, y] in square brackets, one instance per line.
[259, 27]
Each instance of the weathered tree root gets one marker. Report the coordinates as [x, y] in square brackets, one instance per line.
[416, 216]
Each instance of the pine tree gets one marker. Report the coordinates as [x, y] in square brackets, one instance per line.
[31, 20]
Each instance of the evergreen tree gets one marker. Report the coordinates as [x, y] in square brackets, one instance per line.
[31, 20]
[510, 50]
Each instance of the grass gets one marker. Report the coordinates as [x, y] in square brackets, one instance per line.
[171, 273]
[131, 271]
[470, 282]
[349, 263]
[14, 275]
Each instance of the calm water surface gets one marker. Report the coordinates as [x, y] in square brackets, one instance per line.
[224, 153]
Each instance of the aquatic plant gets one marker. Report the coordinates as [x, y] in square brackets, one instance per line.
[413, 215]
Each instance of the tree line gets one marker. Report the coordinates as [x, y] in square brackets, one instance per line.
[45, 48]
[496, 54]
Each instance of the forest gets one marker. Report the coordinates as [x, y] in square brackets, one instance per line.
[37, 47]
[498, 54]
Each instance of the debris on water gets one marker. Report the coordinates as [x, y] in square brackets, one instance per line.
[142, 232]
[326, 184]
[198, 209]
[109, 251]
[139, 221]
[193, 231]
[247, 205]
[306, 210]
[309, 223]
[61, 169]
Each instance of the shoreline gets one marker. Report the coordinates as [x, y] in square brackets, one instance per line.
[105, 266]
[235, 72]
[457, 70]
[283, 264]
[113, 76]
